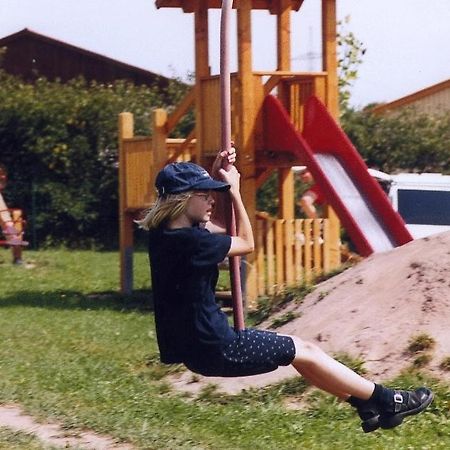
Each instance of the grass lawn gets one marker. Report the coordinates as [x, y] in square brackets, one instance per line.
[76, 351]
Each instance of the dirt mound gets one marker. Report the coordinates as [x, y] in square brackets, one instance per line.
[371, 311]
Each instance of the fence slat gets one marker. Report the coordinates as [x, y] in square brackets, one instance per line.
[307, 263]
[299, 239]
[326, 246]
[317, 247]
[279, 259]
[260, 266]
[290, 252]
[270, 257]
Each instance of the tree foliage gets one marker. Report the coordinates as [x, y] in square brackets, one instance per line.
[407, 141]
[350, 56]
[59, 144]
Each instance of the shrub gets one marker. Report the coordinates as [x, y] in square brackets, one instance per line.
[445, 364]
[59, 144]
[421, 360]
[420, 343]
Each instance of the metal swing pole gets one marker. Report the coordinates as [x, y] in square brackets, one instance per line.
[225, 114]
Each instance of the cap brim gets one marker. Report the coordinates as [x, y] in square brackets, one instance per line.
[211, 185]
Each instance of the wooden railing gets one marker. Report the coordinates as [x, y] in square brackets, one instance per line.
[138, 165]
[290, 252]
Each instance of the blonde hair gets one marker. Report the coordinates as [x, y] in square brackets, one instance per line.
[166, 208]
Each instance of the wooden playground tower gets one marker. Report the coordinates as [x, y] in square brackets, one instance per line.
[280, 259]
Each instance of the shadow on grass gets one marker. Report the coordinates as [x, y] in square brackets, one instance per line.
[139, 300]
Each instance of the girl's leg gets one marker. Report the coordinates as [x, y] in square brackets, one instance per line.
[328, 374]
[377, 405]
[321, 384]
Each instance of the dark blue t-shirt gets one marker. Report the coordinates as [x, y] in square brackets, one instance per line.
[184, 271]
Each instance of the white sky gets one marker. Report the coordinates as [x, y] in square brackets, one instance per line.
[407, 41]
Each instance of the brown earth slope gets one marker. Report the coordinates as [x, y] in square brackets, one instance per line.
[371, 311]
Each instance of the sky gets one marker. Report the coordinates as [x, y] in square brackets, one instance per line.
[406, 41]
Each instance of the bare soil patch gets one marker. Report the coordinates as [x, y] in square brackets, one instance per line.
[12, 416]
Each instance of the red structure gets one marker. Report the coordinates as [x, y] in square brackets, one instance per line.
[341, 173]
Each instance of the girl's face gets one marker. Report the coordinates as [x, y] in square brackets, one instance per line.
[200, 207]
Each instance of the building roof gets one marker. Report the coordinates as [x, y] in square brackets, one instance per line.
[410, 99]
[189, 5]
[27, 35]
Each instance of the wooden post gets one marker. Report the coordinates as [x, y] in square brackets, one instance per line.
[329, 52]
[286, 208]
[284, 46]
[270, 242]
[201, 69]
[286, 193]
[329, 55]
[279, 254]
[245, 134]
[126, 127]
[307, 250]
[159, 137]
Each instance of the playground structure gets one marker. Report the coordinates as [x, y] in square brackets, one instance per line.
[267, 134]
[317, 246]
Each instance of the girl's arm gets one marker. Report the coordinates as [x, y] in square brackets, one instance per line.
[218, 221]
[243, 242]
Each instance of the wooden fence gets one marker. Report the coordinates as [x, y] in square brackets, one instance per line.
[290, 252]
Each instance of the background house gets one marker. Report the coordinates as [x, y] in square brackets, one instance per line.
[31, 55]
[432, 100]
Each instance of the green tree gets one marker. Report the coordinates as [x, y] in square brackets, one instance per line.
[59, 143]
[407, 141]
[350, 53]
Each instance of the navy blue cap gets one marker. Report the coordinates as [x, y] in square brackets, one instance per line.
[186, 176]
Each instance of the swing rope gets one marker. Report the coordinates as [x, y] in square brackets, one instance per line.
[225, 114]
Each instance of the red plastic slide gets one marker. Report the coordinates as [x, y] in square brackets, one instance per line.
[340, 172]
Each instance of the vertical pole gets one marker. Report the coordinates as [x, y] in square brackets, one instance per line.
[159, 137]
[285, 175]
[329, 62]
[329, 55]
[125, 218]
[201, 69]
[225, 115]
[246, 112]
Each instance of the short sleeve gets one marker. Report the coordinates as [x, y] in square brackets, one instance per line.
[210, 249]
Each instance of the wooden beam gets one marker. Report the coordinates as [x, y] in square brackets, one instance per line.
[181, 110]
[271, 84]
[245, 121]
[271, 159]
[262, 177]
[284, 35]
[126, 127]
[286, 206]
[182, 147]
[201, 67]
[159, 146]
[329, 52]
[288, 73]
[188, 6]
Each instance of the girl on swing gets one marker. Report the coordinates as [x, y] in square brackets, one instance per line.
[187, 240]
